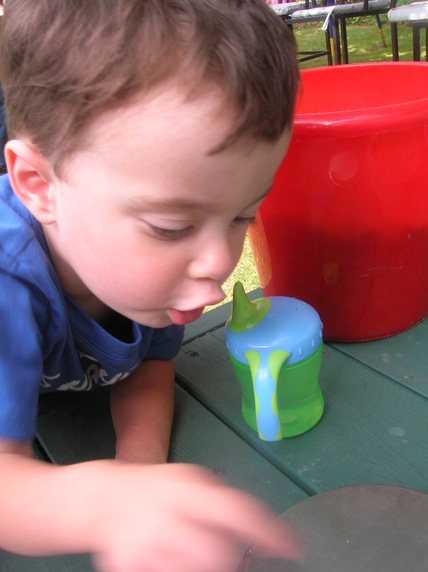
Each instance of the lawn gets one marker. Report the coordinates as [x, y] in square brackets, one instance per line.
[364, 41]
[364, 45]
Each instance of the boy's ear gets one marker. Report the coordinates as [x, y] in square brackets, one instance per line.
[31, 177]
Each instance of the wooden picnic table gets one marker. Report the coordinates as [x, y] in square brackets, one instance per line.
[374, 429]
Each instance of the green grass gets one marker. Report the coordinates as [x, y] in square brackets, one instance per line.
[245, 272]
[364, 45]
[364, 41]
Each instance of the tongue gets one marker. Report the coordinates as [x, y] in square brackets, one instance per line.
[182, 318]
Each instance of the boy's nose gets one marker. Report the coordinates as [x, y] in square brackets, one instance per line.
[215, 260]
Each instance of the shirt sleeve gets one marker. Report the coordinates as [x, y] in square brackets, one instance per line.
[21, 362]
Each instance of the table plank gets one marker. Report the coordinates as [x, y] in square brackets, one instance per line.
[69, 563]
[403, 357]
[78, 427]
[199, 437]
[373, 431]
[81, 429]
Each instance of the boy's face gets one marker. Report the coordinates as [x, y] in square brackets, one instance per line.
[147, 221]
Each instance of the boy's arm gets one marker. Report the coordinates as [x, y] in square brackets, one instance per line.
[142, 408]
[29, 491]
[169, 518]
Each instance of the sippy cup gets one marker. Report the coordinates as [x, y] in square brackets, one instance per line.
[275, 346]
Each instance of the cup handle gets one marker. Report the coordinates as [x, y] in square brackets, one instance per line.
[265, 368]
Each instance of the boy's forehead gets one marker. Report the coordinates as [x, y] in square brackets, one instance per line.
[167, 141]
[236, 177]
[168, 108]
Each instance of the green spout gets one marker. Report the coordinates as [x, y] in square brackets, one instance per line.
[246, 314]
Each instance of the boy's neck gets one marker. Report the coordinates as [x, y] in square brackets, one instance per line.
[115, 324]
[95, 309]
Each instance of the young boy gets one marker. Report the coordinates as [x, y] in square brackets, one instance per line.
[143, 136]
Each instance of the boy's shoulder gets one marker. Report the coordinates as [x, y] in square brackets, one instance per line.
[23, 249]
[14, 216]
[11, 207]
[27, 277]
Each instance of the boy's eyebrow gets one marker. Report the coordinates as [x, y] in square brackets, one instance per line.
[170, 202]
[264, 195]
[176, 202]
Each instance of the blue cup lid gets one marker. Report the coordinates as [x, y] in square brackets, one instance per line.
[276, 322]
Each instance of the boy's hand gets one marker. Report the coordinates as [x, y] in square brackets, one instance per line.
[133, 517]
[180, 518]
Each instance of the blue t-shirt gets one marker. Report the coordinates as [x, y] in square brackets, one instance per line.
[47, 343]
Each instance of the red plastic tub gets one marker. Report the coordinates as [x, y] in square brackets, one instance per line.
[345, 227]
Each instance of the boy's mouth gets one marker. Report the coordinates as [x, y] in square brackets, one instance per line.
[181, 318]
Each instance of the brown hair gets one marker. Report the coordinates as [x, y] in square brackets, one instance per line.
[64, 62]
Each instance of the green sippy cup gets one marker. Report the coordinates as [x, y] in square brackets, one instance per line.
[275, 346]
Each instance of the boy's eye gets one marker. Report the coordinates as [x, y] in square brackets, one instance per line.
[244, 220]
[169, 233]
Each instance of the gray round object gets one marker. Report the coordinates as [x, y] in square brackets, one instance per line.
[369, 528]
